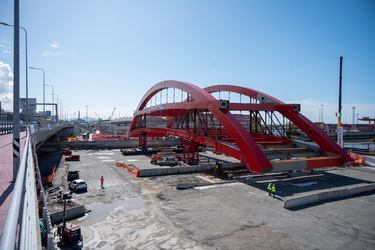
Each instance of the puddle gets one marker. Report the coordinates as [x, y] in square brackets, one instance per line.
[100, 212]
[306, 184]
[102, 153]
[103, 157]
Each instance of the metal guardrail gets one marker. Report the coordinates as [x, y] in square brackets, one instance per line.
[7, 128]
[21, 229]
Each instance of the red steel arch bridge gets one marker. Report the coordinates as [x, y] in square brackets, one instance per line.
[243, 123]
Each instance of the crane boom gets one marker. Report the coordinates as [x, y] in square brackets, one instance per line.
[110, 118]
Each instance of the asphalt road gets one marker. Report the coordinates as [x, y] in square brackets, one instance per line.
[150, 213]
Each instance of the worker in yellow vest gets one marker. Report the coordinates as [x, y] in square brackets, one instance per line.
[269, 187]
[273, 190]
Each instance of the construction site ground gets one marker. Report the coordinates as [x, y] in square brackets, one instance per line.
[151, 213]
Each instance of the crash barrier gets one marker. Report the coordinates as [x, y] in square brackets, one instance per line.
[357, 159]
[71, 213]
[128, 168]
[328, 195]
[28, 200]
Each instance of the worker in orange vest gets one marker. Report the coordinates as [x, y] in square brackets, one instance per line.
[102, 182]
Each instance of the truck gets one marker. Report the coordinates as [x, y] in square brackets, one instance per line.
[164, 160]
[66, 151]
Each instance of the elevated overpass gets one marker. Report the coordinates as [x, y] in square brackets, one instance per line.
[23, 198]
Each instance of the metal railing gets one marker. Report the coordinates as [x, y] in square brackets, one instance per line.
[21, 229]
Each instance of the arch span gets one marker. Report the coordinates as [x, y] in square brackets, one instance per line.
[254, 131]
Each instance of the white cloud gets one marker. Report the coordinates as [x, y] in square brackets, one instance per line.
[55, 45]
[6, 49]
[4, 46]
[49, 53]
[6, 86]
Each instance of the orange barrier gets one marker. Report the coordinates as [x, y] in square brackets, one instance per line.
[358, 160]
[129, 169]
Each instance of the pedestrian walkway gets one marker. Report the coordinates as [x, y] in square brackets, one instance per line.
[6, 173]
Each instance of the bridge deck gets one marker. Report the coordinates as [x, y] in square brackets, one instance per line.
[6, 173]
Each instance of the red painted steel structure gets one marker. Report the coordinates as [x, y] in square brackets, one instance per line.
[203, 119]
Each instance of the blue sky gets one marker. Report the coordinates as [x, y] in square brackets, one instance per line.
[107, 54]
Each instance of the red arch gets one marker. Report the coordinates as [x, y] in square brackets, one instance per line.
[248, 150]
[203, 99]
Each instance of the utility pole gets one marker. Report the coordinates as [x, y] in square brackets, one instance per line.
[340, 132]
[353, 118]
[16, 92]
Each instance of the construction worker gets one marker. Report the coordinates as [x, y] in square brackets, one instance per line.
[102, 182]
[269, 187]
[273, 189]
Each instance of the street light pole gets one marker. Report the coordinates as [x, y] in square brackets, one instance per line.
[44, 91]
[27, 75]
[57, 108]
[340, 135]
[53, 91]
[53, 95]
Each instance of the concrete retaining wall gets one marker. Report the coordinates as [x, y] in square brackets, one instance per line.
[71, 214]
[182, 169]
[98, 145]
[333, 194]
[361, 189]
[301, 200]
[328, 195]
[173, 170]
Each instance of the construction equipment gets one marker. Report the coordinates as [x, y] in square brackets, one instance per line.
[69, 233]
[164, 159]
[113, 112]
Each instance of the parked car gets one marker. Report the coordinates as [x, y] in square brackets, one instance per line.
[73, 175]
[78, 184]
[72, 158]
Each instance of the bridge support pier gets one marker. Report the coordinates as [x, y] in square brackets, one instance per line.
[191, 153]
[142, 141]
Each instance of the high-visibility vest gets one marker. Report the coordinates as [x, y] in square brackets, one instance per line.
[274, 189]
[269, 187]
[101, 179]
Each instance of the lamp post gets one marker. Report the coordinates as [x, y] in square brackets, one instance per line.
[53, 96]
[57, 109]
[53, 91]
[322, 124]
[27, 78]
[44, 91]
[340, 132]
